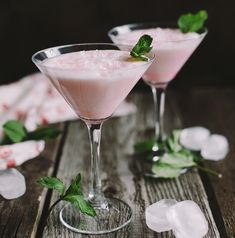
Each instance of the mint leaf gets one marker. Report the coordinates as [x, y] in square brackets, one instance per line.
[142, 47]
[73, 194]
[52, 183]
[197, 158]
[192, 22]
[173, 141]
[75, 186]
[144, 146]
[177, 160]
[166, 171]
[79, 202]
[14, 131]
[43, 133]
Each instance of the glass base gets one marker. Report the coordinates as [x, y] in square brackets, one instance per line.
[158, 150]
[116, 216]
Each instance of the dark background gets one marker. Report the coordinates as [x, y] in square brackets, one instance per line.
[27, 26]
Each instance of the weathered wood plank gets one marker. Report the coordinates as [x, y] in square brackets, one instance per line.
[20, 217]
[122, 175]
[215, 109]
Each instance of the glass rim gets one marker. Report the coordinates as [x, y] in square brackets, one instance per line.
[39, 62]
[157, 24]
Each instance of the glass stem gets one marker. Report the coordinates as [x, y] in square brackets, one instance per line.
[159, 104]
[95, 196]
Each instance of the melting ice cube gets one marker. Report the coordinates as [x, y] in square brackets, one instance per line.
[12, 184]
[156, 215]
[215, 147]
[193, 138]
[187, 220]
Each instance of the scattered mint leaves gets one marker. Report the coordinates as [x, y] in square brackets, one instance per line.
[196, 156]
[165, 171]
[15, 132]
[81, 204]
[192, 22]
[73, 194]
[176, 158]
[142, 47]
[75, 186]
[173, 141]
[52, 183]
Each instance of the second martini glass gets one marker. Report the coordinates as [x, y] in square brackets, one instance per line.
[171, 55]
[93, 79]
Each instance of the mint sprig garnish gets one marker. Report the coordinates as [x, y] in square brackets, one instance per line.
[142, 47]
[176, 159]
[192, 22]
[73, 194]
[15, 132]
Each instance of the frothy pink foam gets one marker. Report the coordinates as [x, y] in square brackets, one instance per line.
[171, 47]
[94, 82]
[158, 34]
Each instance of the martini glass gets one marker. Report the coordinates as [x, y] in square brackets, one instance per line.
[94, 82]
[171, 55]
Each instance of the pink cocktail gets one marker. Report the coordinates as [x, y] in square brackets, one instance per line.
[93, 79]
[94, 82]
[172, 49]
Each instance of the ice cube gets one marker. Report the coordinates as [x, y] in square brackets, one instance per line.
[12, 184]
[193, 138]
[187, 220]
[215, 147]
[155, 215]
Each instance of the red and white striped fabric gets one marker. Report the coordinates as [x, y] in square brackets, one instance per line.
[16, 154]
[33, 101]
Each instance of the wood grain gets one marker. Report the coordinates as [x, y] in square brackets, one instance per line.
[122, 172]
[20, 217]
[215, 109]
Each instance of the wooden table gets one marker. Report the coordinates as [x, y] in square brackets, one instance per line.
[122, 175]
